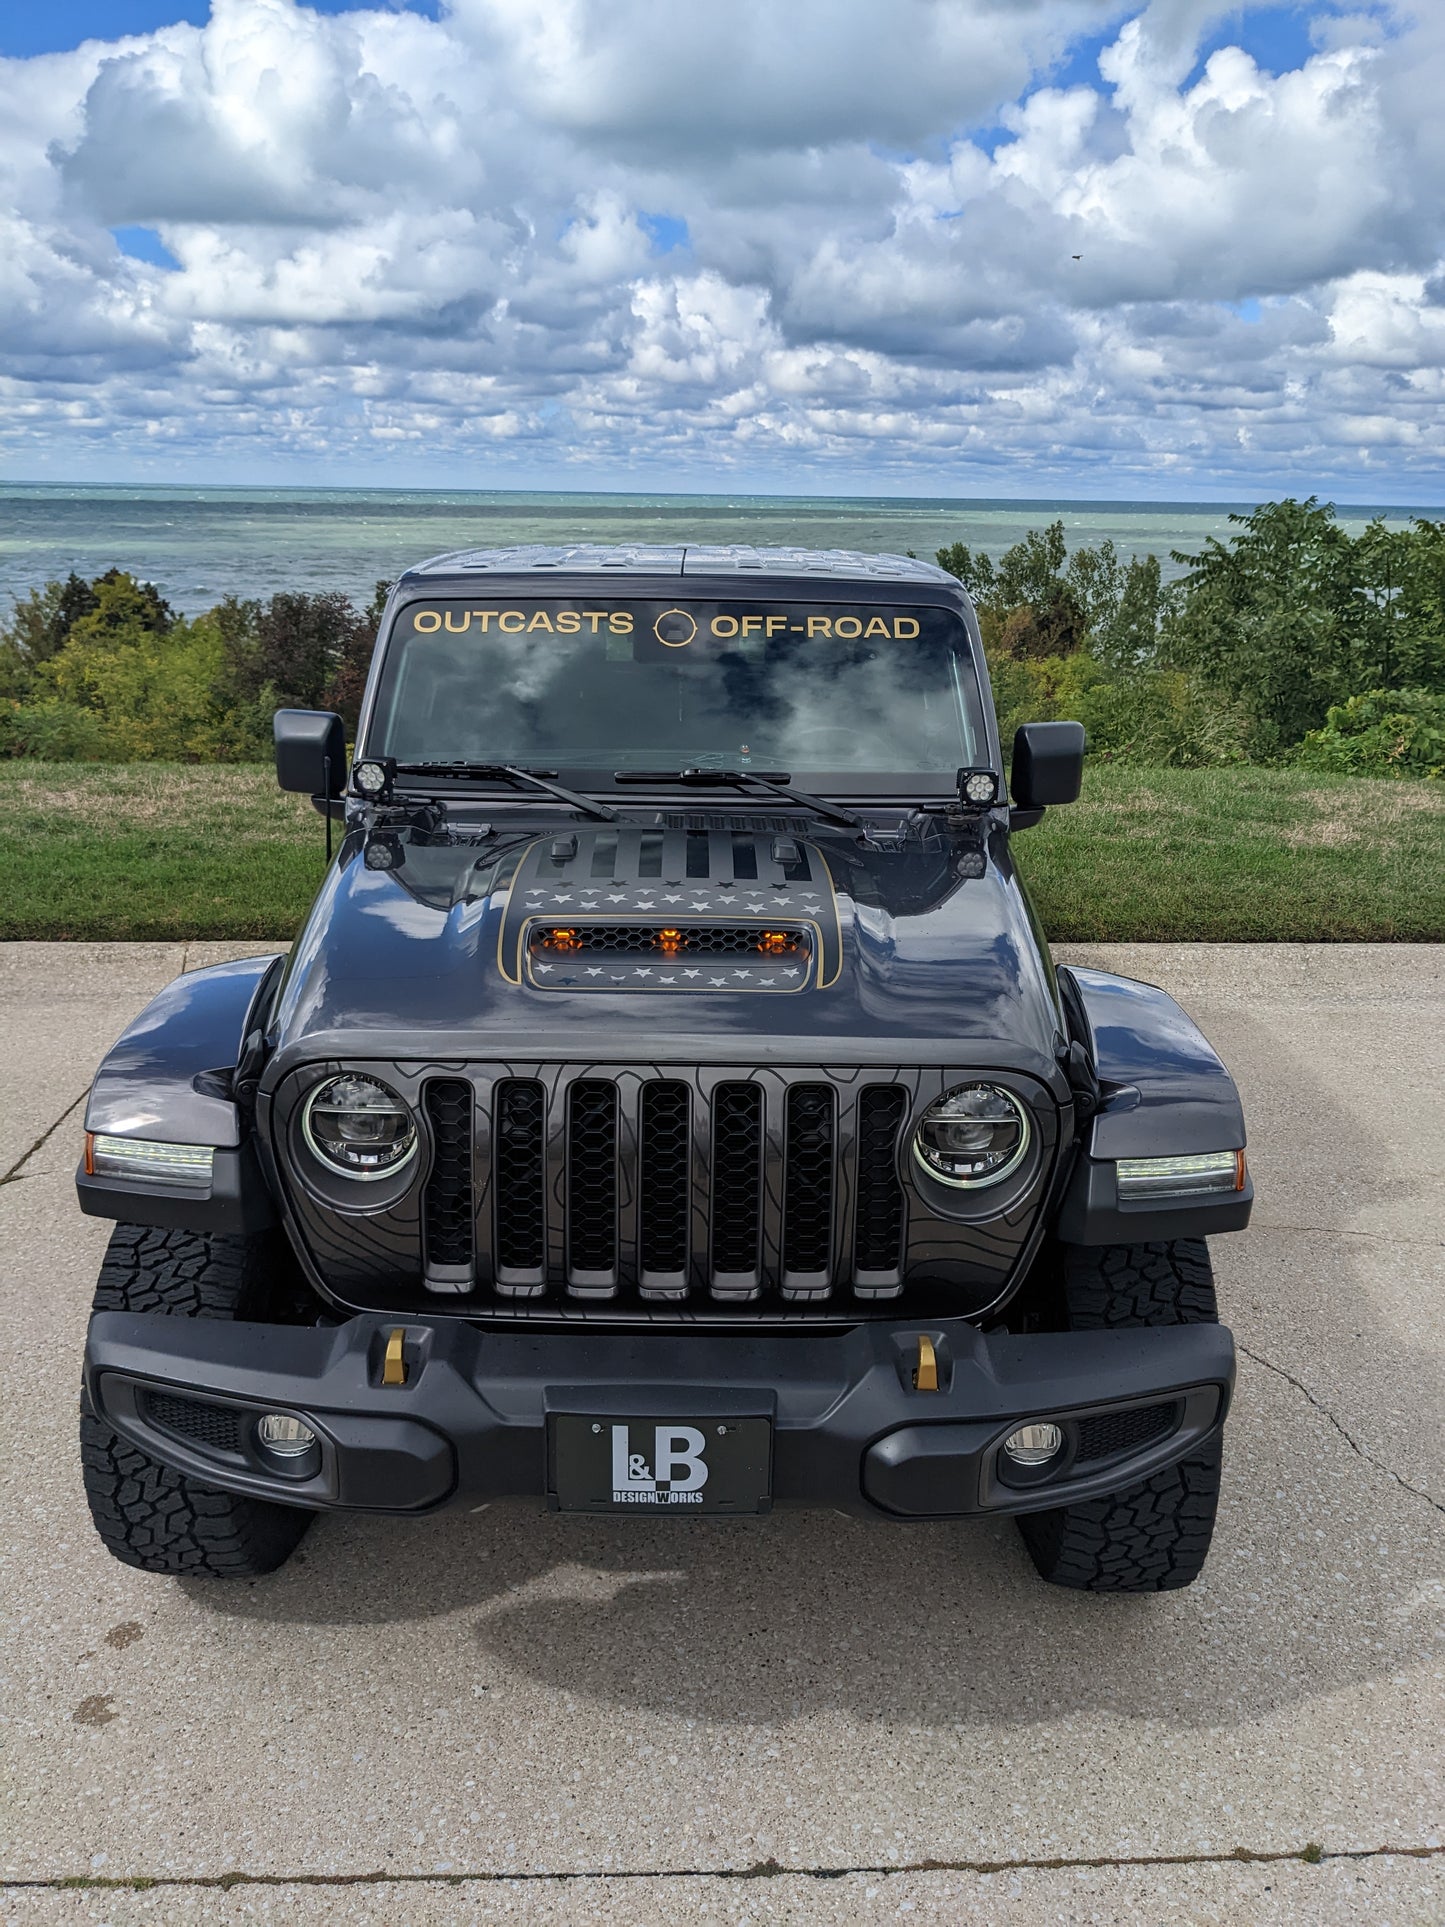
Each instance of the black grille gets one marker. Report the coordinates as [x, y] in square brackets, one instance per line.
[447, 1201]
[521, 1177]
[1113, 1432]
[668, 940]
[663, 1170]
[808, 1182]
[878, 1232]
[737, 1189]
[592, 1182]
[213, 1426]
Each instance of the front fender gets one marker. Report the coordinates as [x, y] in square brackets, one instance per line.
[168, 1077]
[1163, 1093]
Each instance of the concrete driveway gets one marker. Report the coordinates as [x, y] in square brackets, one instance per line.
[506, 1715]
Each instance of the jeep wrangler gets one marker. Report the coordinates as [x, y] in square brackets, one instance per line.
[669, 1103]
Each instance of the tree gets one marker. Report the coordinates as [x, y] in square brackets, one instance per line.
[1268, 618]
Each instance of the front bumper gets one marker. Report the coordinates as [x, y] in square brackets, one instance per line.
[470, 1422]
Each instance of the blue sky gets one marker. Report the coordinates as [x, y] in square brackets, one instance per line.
[28, 27]
[1077, 247]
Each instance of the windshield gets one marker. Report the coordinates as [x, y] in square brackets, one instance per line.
[603, 684]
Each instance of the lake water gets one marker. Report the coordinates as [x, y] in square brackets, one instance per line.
[199, 544]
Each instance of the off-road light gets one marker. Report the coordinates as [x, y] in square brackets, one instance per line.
[285, 1436]
[369, 779]
[1033, 1445]
[358, 1127]
[383, 852]
[1181, 1177]
[974, 1135]
[978, 786]
[148, 1160]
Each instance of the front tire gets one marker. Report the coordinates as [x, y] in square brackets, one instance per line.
[148, 1515]
[1153, 1536]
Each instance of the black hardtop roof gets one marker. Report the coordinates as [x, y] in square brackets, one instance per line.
[631, 559]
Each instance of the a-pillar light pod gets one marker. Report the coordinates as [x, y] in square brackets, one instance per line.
[978, 788]
[371, 780]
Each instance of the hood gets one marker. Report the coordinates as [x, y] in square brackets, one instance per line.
[699, 938]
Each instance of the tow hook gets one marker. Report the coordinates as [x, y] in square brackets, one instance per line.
[925, 1372]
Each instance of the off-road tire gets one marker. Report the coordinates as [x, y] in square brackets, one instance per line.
[1153, 1536]
[149, 1516]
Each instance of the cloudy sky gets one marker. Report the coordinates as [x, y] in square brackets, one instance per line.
[1001, 247]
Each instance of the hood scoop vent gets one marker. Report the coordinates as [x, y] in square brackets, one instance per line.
[672, 909]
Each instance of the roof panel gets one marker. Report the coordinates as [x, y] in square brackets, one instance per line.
[742, 559]
[582, 558]
[675, 558]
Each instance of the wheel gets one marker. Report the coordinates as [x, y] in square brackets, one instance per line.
[1153, 1536]
[148, 1515]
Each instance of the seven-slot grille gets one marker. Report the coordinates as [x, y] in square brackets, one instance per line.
[711, 1189]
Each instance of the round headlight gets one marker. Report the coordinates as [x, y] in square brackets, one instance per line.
[976, 1134]
[359, 1127]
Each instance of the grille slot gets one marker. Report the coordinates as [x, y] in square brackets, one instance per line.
[668, 940]
[737, 1192]
[808, 1191]
[878, 1227]
[215, 1427]
[521, 1212]
[447, 1203]
[592, 1188]
[664, 1170]
[1114, 1432]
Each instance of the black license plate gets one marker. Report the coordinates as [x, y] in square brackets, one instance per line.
[679, 1466]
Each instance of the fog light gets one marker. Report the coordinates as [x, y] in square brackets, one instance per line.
[1033, 1445]
[287, 1437]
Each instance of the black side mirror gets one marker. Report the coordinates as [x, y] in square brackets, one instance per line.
[1048, 764]
[310, 751]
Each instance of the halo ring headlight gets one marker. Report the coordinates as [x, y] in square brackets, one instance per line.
[358, 1127]
[974, 1135]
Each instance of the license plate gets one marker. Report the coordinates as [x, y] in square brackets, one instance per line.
[680, 1466]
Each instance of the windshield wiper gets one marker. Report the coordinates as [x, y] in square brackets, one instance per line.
[767, 782]
[537, 779]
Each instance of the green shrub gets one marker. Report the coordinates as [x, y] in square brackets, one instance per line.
[1388, 732]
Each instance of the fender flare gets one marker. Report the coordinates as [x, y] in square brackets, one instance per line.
[168, 1076]
[1164, 1092]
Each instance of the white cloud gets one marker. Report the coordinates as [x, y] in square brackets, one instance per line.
[817, 244]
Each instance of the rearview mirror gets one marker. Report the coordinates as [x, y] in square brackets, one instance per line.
[310, 751]
[1048, 764]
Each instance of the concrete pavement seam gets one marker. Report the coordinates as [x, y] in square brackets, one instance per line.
[17, 1168]
[1353, 1443]
[1338, 1231]
[1311, 1854]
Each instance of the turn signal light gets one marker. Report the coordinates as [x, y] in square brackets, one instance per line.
[563, 940]
[778, 943]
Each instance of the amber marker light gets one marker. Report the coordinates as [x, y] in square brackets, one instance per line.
[1241, 1174]
[563, 940]
[669, 942]
[777, 943]
[90, 1154]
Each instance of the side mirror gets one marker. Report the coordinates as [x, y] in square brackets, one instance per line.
[310, 751]
[1048, 764]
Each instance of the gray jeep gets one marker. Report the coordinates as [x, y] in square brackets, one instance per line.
[669, 1102]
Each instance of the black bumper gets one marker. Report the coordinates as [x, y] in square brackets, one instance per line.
[470, 1424]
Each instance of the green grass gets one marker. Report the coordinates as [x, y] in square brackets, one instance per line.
[156, 851]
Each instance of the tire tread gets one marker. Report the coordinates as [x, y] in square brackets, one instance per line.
[1153, 1536]
[149, 1515]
